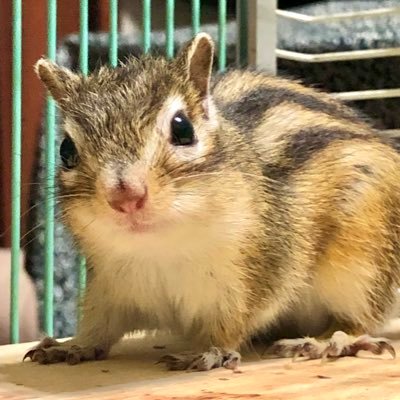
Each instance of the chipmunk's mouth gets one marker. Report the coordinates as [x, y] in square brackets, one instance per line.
[141, 227]
[141, 222]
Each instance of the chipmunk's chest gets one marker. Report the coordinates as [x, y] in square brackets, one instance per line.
[171, 280]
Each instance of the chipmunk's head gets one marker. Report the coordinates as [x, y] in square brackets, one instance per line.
[142, 146]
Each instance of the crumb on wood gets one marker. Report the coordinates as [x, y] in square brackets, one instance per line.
[105, 370]
[323, 377]
[158, 347]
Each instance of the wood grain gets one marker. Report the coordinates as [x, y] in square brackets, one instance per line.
[131, 374]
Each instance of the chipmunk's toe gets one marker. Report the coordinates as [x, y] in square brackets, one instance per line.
[45, 343]
[354, 345]
[339, 345]
[287, 348]
[232, 360]
[50, 351]
[213, 358]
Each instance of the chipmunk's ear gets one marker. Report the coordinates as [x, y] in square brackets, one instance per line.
[59, 81]
[197, 59]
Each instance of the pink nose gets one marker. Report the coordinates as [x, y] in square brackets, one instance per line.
[127, 199]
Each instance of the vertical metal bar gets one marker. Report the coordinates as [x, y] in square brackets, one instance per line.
[84, 67]
[242, 47]
[82, 277]
[16, 168]
[50, 169]
[196, 8]
[221, 35]
[113, 54]
[146, 26]
[262, 34]
[169, 31]
[84, 36]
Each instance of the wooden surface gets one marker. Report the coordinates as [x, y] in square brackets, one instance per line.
[131, 374]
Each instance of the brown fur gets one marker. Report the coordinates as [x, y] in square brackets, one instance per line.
[307, 190]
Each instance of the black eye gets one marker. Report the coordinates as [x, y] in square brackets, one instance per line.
[182, 132]
[68, 153]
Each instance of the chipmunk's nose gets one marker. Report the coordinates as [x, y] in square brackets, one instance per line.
[127, 198]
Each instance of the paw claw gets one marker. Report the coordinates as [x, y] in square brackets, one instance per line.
[232, 360]
[73, 358]
[39, 356]
[45, 343]
[29, 354]
[390, 349]
[214, 358]
[374, 345]
[49, 351]
[176, 362]
[340, 345]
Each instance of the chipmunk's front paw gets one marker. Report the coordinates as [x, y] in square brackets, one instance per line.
[339, 345]
[49, 351]
[213, 358]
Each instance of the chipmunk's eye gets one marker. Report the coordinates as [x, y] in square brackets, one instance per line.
[69, 153]
[182, 132]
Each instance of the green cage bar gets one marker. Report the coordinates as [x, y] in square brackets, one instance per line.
[84, 67]
[196, 16]
[16, 168]
[169, 29]
[221, 35]
[84, 36]
[82, 278]
[50, 171]
[146, 26]
[113, 54]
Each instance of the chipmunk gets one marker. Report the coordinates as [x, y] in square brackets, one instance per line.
[221, 207]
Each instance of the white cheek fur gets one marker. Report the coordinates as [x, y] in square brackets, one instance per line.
[73, 131]
[68, 178]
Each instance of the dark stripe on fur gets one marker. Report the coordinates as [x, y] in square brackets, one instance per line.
[248, 111]
[393, 141]
[303, 145]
